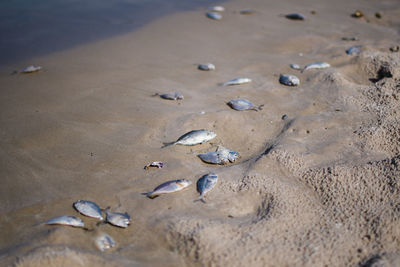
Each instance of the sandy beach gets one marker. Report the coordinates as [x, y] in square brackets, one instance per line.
[318, 178]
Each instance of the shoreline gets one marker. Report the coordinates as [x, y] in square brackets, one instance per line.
[85, 127]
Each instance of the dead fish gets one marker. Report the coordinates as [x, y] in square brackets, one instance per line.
[243, 104]
[194, 137]
[172, 96]
[205, 184]
[354, 50]
[248, 11]
[217, 8]
[169, 187]
[214, 15]
[157, 164]
[350, 38]
[222, 156]
[316, 65]
[295, 66]
[295, 16]
[66, 220]
[88, 208]
[289, 80]
[31, 69]
[208, 66]
[237, 81]
[118, 219]
[104, 242]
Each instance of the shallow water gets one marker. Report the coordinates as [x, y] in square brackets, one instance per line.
[31, 28]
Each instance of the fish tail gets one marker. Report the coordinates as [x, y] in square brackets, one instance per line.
[260, 107]
[168, 144]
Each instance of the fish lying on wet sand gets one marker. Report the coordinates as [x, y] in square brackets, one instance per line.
[205, 184]
[354, 50]
[88, 208]
[243, 104]
[316, 65]
[104, 242]
[66, 220]
[217, 8]
[222, 156]
[214, 15]
[206, 67]
[295, 16]
[237, 81]
[31, 69]
[118, 219]
[168, 187]
[192, 138]
[171, 96]
[289, 80]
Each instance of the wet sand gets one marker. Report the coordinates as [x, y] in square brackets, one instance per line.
[320, 187]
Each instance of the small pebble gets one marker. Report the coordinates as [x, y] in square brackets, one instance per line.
[284, 117]
[394, 48]
[313, 12]
[349, 38]
[295, 66]
[378, 15]
[247, 11]
[295, 16]
[206, 67]
[357, 14]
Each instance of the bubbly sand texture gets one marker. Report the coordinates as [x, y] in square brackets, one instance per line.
[317, 187]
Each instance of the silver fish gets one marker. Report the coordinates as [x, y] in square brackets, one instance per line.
[237, 81]
[208, 66]
[289, 80]
[217, 8]
[88, 208]
[316, 65]
[295, 66]
[192, 138]
[104, 242]
[243, 104]
[31, 69]
[67, 220]
[222, 156]
[169, 187]
[354, 50]
[172, 96]
[214, 15]
[118, 219]
[205, 184]
[295, 16]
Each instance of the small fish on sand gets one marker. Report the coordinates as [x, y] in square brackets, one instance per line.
[217, 8]
[243, 104]
[66, 220]
[118, 219]
[104, 242]
[172, 96]
[316, 65]
[237, 81]
[169, 187]
[205, 184]
[156, 164]
[214, 15]
[295, 16]
[247, 11]
[206, 67]
[350, 38]
[354, 50]
[88, 208]
[194, 137]
[295, 66]
[31, 69]
[289, 80]
[222, 156]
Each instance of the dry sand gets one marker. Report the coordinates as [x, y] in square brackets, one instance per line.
[320, 188]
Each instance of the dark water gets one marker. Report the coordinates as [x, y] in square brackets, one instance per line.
[36, 27]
